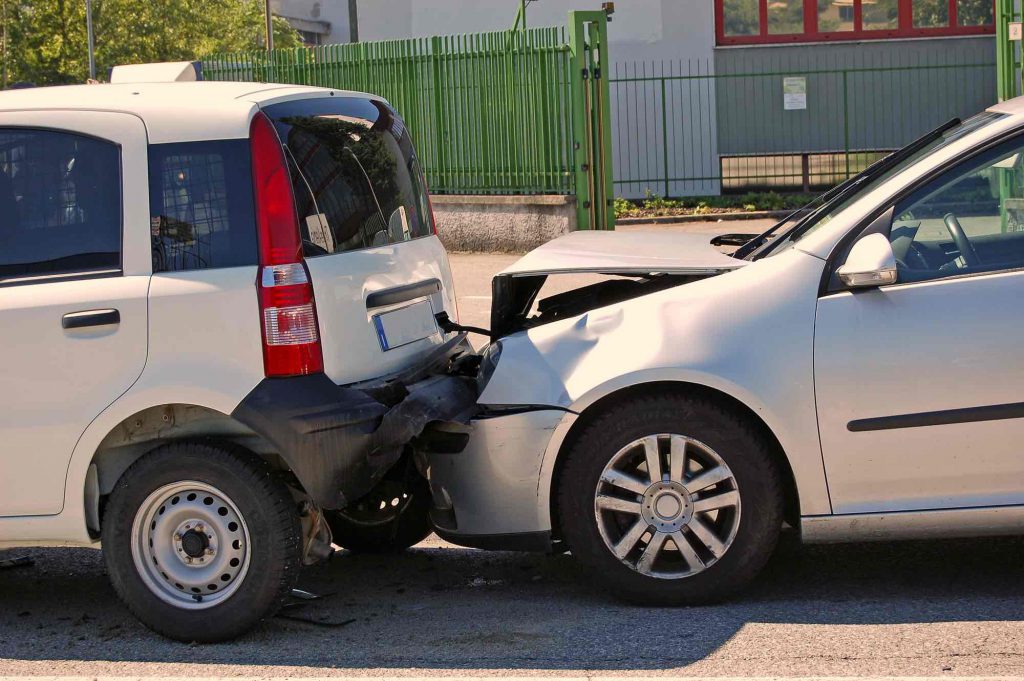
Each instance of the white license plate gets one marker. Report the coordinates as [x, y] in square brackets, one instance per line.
[405, 325]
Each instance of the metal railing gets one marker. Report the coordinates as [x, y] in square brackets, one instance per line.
[680, 130]
[491, 113]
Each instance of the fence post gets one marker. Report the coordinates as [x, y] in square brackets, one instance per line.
[604, 121]
[1006, 52]
[591, 115]
[846, 123]
[579, 75]
[664, 129]
[438, 94]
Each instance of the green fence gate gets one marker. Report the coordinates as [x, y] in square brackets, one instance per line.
[509, 112]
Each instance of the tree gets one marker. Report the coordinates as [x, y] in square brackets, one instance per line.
[46, 40]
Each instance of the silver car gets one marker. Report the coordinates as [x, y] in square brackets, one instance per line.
[854, 374]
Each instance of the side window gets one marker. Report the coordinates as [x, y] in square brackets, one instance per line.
[201, 204]
[971, 219]
[60, 204]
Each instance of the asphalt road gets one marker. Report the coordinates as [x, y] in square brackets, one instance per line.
[938, 609]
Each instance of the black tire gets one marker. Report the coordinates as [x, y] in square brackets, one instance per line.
[743, 449]
[268, 513]
[365, 528]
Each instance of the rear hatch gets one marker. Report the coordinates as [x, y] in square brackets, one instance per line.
[378, 270]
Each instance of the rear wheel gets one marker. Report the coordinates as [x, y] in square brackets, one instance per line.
[670, 501]
[201, 541]
[391, 518]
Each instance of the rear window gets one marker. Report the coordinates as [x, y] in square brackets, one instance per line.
[201, 204]
[355, 175]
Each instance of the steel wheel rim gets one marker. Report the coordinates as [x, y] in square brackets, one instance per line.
[190, 545]
[667, 506]
[381, 507]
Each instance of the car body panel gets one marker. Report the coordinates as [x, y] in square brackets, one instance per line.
[624, 253]
[57, 380]
[913, 348]
[344, 283]
[760, 354]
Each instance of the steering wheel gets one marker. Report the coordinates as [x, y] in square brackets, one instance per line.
[963, 244]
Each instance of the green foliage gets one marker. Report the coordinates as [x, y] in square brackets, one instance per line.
[46, 40]
[654, 205]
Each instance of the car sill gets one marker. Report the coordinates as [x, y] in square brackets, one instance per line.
[987, 521]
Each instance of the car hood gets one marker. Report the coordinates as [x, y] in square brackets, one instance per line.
[654, 260]
[625, 253]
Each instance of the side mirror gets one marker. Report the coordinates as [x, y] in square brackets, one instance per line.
[871, 263]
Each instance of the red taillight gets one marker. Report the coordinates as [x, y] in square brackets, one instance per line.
[291, 336]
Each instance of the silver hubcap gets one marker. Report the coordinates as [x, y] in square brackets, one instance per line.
[667, 506]
[190, 545]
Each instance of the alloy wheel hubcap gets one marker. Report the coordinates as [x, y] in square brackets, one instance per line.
[190, 545]
[667, 506]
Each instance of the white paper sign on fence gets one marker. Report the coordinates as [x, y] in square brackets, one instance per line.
[794, 93]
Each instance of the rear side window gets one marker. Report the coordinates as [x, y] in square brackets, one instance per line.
[60, 203]
[355, 175]
[201, 203]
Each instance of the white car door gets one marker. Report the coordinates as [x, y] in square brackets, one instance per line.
[920, 384]
[74, 274]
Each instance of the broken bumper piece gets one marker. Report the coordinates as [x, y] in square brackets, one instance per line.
[340, 441]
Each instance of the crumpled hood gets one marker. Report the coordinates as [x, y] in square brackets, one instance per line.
[625, 253]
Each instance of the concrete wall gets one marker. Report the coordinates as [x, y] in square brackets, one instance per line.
[503, 224]
[882, 109]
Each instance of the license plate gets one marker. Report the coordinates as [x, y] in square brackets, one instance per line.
[405, 325]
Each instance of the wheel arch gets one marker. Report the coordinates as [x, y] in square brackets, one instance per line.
[596, 407]
[148, 428]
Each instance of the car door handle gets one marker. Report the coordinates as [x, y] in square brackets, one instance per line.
[87, 318]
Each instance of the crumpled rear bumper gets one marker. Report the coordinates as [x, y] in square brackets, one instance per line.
[340, 441]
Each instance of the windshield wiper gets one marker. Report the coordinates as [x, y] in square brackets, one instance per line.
[843, 188]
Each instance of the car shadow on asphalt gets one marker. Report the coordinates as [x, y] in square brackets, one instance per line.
[444, 607]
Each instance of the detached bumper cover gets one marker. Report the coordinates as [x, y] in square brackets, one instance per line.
[340, 441]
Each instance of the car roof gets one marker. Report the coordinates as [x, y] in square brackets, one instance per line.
[171, 112]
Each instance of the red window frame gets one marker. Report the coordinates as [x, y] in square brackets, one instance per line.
[905, 28]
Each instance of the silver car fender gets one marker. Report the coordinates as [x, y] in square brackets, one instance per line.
[747, 334]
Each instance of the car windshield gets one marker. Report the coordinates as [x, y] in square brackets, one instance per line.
[818, 213]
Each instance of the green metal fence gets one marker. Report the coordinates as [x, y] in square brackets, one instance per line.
[681, 130]
[1008, 49]
[490, 112]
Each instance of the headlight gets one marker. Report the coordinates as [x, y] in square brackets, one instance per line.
[488, 363]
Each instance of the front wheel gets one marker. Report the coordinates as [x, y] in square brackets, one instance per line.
[671, 500]
[201, 541]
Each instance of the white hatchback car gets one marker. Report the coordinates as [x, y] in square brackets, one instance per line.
[853, 373]
[218, 303]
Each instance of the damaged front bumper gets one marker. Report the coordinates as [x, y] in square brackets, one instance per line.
[487, 495]
[340, 441]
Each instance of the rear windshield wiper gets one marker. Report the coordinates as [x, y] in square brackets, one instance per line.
[842, 189]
